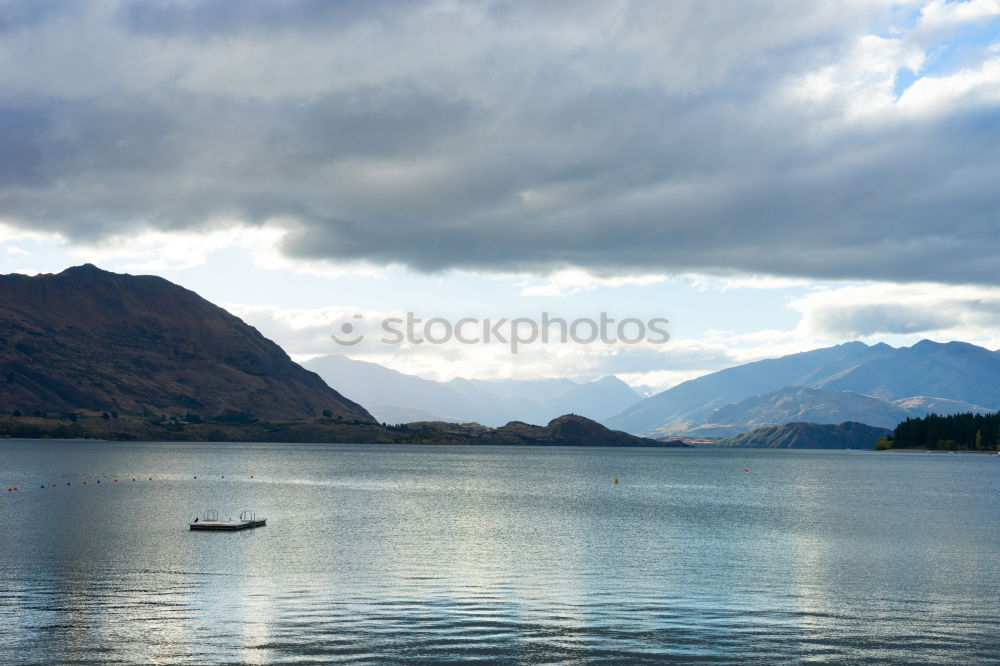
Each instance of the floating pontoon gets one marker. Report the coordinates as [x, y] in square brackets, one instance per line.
[210, 521]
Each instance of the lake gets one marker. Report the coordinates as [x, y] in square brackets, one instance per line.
[410, 554]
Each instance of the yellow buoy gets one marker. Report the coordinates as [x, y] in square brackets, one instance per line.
[616, 479]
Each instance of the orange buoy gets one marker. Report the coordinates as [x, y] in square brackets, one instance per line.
[746, 469]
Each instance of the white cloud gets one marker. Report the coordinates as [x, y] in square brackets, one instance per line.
[10, 233]
[154, 250]
[862, 81]
[939, 14]
[905, 312]
[968, 89]
[305, 333]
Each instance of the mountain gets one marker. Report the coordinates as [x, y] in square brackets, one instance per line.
[566, 430]
[87, 339]
[791, 404]
[395, 414]
[534, 390]
[596, 399]
[492, 403]
[547, 398]
[924, 377]
[374, 384]
[693, 399]
[953, 370]
[848, 435]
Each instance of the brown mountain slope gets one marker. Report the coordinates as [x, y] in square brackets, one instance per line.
[566, 430]
[87, 339]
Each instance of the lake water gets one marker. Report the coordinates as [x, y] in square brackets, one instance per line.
[531, 555]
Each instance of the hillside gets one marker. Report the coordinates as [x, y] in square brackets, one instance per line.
[87, 339]
[793, 404]
[799, 435]
[921, 405]
[567, 430]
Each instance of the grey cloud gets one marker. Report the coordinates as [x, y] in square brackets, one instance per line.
[226, 17]
[22, 14]
[21, 155]
[499, 136]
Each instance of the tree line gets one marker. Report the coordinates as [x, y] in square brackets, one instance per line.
[955, 432]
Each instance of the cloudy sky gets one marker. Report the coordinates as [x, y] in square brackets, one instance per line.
[770, 176]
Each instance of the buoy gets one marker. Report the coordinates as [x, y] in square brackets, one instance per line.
[251, 476]
[98, 480]
[196, 476]
[116, 480]
[10, 490]
[68, 483]
[746, 469]
[150, 479]
[223, 476]
[15, 489]
[133, 478]
[616, 479]
[84, 483]
[42, 486]
[53, 485]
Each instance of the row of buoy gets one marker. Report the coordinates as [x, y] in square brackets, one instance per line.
[14, 489]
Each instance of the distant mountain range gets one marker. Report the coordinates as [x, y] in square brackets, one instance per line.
[879, 385]
[81, 348]
[87, 339]
[396, 397]
[848, 435]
